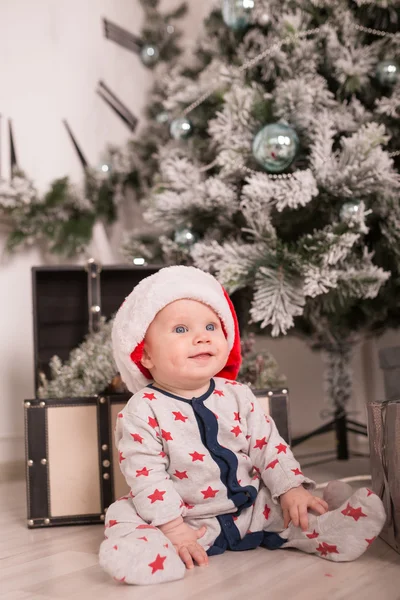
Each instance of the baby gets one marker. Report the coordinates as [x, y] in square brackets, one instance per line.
[208, 471]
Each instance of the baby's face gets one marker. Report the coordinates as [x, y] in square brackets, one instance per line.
[185, 345]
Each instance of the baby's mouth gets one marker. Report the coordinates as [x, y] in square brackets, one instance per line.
[202, 355]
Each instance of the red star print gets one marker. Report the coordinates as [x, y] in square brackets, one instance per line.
[156, 495]
[145, 471]
[370, 492]
[188, 506]
[166, 435]
[181, 474]
[120, 416]
[219, 393]
[261, 443]
[111, 523]
[312, 535]
[137, 438]
[121, 457]
[162, 454]
[120, 580]
[281, 448]
[355, 513]
[370, 541]
[153, 422]
[266, 419]
[236, 430]
[232, 382]
[209, 493]
[325, 549]
[252, 407]
[180, 417]
[157, 564]
[257, 470]
[272, 464]
[149, 396]
[297, 472]
[144, 538]
[266, 511]
[215, 415]
[123, 498]
[144, 526]
[236, 416]
[196, 456]
[115, 547]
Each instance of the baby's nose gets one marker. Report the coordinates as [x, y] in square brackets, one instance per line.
[202, 337]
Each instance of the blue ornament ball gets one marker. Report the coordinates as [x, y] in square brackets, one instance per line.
[237, 13]
[149, 55]
[185, 238]
[181, 128]
[387, 73]
[275, 147]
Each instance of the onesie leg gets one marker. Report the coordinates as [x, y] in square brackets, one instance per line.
[342, 534]
[134, 552]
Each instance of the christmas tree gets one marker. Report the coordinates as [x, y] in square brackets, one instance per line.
[281, 170]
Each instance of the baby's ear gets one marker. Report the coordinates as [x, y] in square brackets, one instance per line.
[146, 360]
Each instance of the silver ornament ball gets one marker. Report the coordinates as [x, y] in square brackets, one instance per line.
[237, 13]
[349, 209]
[185, 238]
[264, 19]
[275, 147]
[162, 117]
[181, 128]
[387, 72]
[149, 55]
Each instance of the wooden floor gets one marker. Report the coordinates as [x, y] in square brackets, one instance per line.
[59, 563]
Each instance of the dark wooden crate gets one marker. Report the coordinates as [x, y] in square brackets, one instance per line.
[60, 306]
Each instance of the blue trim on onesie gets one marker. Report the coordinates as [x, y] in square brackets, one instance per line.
[241, 496]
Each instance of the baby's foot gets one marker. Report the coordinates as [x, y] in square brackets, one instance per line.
[342, 534]
[141, 558]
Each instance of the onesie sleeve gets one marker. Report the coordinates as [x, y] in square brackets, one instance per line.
[144, 463]
[270, 454]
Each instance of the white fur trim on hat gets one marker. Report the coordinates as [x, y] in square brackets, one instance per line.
[150, 296]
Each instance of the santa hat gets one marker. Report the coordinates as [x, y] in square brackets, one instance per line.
[150, 296]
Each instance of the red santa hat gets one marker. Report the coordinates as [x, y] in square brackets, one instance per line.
[150, 296]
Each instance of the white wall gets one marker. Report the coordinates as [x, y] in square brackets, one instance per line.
[53, 54]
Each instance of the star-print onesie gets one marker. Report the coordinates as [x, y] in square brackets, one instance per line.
[219, 461]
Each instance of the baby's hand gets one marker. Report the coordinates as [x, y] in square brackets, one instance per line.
[184, 539]
[295, 503]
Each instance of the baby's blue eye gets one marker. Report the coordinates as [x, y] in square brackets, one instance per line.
[210, 327]
[180, 329]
